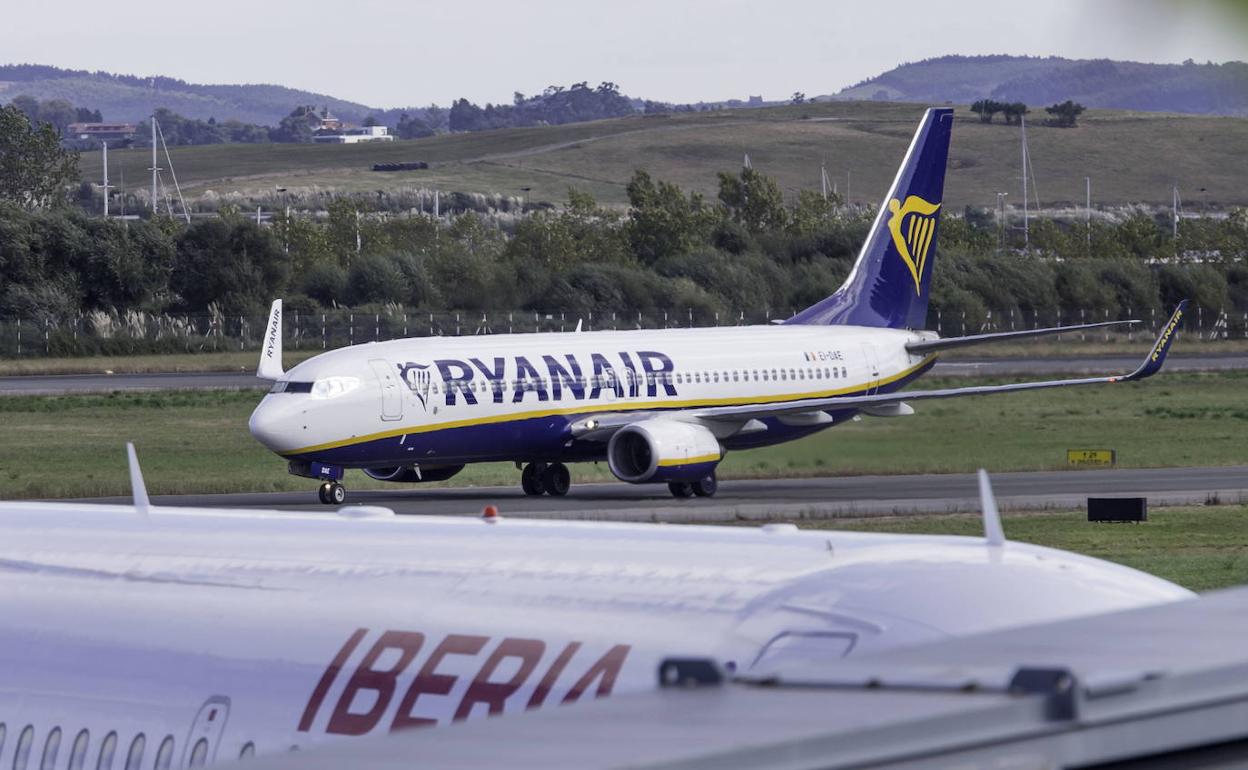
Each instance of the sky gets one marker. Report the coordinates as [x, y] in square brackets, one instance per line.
[393, 53]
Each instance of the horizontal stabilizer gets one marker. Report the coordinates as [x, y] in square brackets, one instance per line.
[928, 346]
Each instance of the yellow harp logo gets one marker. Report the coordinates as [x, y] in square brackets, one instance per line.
[913, 224]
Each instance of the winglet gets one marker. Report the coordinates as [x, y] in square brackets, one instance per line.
[137, 488]
[993, 533]
[271, 354]
[1157, 356]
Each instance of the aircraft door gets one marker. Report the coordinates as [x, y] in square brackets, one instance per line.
[872, 368]
[205, 737]
[391, 393]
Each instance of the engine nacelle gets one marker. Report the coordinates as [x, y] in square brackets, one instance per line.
[657, 450]
[407, 473]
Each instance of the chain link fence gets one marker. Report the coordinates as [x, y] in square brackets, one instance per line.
[141, 333]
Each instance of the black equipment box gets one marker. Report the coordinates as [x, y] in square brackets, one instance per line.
[1117, 509]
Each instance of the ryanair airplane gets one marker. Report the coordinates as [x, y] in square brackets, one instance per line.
[658, 406]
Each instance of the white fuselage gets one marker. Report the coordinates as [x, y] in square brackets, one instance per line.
[513, 397]
[261, 631]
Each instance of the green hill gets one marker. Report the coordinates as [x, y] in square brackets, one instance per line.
[130, 98]
[1210, 89]
[1131, 157]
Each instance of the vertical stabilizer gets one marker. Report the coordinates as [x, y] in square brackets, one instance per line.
[891, 280]
[270, 367]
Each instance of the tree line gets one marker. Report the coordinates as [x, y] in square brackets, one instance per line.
[1062, 115]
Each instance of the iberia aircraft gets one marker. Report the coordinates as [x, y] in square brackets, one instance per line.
[657, 406]
[146, 638]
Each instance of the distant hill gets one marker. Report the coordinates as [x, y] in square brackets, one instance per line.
[130, 98]
[1207, 89]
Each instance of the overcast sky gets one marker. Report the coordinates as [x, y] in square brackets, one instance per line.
[389, 53]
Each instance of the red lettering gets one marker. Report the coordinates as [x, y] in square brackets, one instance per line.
[605, 670]
[429, 682]
[327, 678]
[548, 681]
[345, 722]
[482, 690]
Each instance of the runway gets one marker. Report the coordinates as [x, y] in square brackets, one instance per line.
[64, 384]
[763, 500]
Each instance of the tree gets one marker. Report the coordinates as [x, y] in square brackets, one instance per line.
[1064, 114]
[662, 222]
[28, 105]
[298, 126]
[84, 115]
[1014, 112]
[410, 127]
[235, 265]
[35, 170]
[59, 113]
[797, 98]
[371, 121]
[753, 200]
[985, 109]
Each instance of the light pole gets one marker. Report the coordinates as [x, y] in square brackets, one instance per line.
[1001, 221]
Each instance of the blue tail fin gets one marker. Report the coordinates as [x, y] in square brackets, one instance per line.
[890, 282]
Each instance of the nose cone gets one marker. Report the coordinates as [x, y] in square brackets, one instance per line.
[269, 424]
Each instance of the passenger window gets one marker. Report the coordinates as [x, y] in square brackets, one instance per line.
[134, 759]
[78, 754]
[249, 751]
[764, 375]
[717, 376]
[51, 747]
[782, 375]
[107, 749]
[844, 371]
[21, 755]
[199, 754]
[773, 375]
[164, 756]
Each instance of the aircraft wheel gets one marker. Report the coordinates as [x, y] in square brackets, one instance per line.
[337, 494]
[531, 478]
[706, 486]
[323, 493]
[556, 480]
[680, 489]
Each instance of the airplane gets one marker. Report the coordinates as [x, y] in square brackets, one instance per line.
[659, 406]
[142, 636]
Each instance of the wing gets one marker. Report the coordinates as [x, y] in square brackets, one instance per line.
[601, 426]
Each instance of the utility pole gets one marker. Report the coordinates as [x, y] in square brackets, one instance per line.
[1087, 207]
[105, 149]
[823, 179]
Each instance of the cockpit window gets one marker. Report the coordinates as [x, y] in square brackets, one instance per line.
[332, 387]
[290, 386]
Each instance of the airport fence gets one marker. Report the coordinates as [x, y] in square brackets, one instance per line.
[133, 333]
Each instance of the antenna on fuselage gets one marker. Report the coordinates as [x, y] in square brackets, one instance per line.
[994, 535]
[138, 489]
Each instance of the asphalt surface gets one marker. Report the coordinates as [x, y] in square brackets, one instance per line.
[781, 498]
[52, 385]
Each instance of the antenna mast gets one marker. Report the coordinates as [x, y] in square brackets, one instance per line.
[1022, 124]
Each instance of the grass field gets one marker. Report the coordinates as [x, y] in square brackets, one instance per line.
[198, 441]
[1200, 548]
[1131, 157]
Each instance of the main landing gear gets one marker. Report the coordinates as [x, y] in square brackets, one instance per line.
[703, 487]
[332, 493]
[541, 478]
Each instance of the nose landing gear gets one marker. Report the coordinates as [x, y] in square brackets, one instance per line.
[541, 478]
[332, 493]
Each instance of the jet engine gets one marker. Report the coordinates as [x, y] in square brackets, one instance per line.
[408, 474]
[658, 450]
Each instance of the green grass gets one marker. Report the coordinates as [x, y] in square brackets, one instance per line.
[1131, 157]
[198, 441]
[1200, 548]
